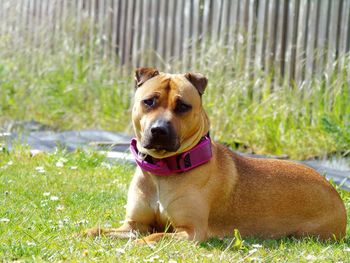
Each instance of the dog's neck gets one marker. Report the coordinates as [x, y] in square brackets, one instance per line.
[183, 162]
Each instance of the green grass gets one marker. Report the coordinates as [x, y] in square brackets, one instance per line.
[48, 198]
[64, 95]
[257, 113]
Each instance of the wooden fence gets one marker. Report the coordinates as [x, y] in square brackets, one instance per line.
[297, 38]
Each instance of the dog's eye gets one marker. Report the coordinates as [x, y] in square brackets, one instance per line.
[149, 102]
[182, 107]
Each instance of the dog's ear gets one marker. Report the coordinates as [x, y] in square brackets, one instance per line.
[198, 80]
[144, 74]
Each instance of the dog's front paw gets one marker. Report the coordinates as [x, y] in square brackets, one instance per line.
[143, 242]
[93, 232]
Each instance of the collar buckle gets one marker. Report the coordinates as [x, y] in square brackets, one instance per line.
[183, 161]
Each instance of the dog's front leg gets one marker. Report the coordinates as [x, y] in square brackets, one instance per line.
[140, 211]
[188, 216]
[127, 230]
[180, 234]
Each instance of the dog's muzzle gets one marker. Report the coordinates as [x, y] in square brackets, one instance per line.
[161, 135]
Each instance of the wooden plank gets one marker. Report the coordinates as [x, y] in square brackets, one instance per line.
[107, 28]
[332, 36]
[205, 31]
[250, 46]
[115, 28]
[179, 28]
[294, 40]
[243, 21]
[343, 35]
[331, 66]
[260, 34]
[16, 13]
[169, 41]
[2, 18]
[320, 52]
[271, 34]
[7, 21]
[100, 24]
[19, 29]
[52, 22]
[215, 22]
[301, 42]
[280, 37]
[30, 24]
[293, 10]
[31, 28]
[311, 40]
[44, 32]
[63, 20]
[56, 29]
[233, 28]
[137, 33]
[250, 42]
[145, 31]
[36, 25]
[110, 28]
[223, 35]
[128, 35]
[153, 31]
[122, 24]
[161, 34]
[76, 9]
[91, 33]
[40, 30]
[195, 32]
[186, 49]
[233, 21]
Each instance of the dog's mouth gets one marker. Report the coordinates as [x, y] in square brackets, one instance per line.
[171, 145]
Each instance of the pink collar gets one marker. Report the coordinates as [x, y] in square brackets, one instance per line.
[180, 163]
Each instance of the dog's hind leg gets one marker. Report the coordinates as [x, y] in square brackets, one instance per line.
[328, 228]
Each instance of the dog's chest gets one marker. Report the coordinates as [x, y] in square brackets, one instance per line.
[162, 217]
[161, 204]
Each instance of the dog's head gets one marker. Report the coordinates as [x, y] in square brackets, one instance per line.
[168, 117]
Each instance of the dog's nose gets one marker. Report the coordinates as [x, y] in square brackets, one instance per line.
[161, 135]
[160, 128]
[159, 131]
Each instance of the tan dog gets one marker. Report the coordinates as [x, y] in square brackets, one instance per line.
[260, 197]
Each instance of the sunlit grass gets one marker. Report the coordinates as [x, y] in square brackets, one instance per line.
[49, 198]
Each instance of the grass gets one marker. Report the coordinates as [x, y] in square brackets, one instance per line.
[63, 95]
[47, 199]
[260, 113]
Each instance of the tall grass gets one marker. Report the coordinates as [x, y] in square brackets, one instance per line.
[66, 89]
[268, 114]
[71, 86]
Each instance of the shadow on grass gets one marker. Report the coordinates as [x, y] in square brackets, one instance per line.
[232, 244]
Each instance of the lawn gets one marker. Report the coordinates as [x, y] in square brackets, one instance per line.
[48, 198]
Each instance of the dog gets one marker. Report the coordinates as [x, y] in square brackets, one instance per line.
[221, 191]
